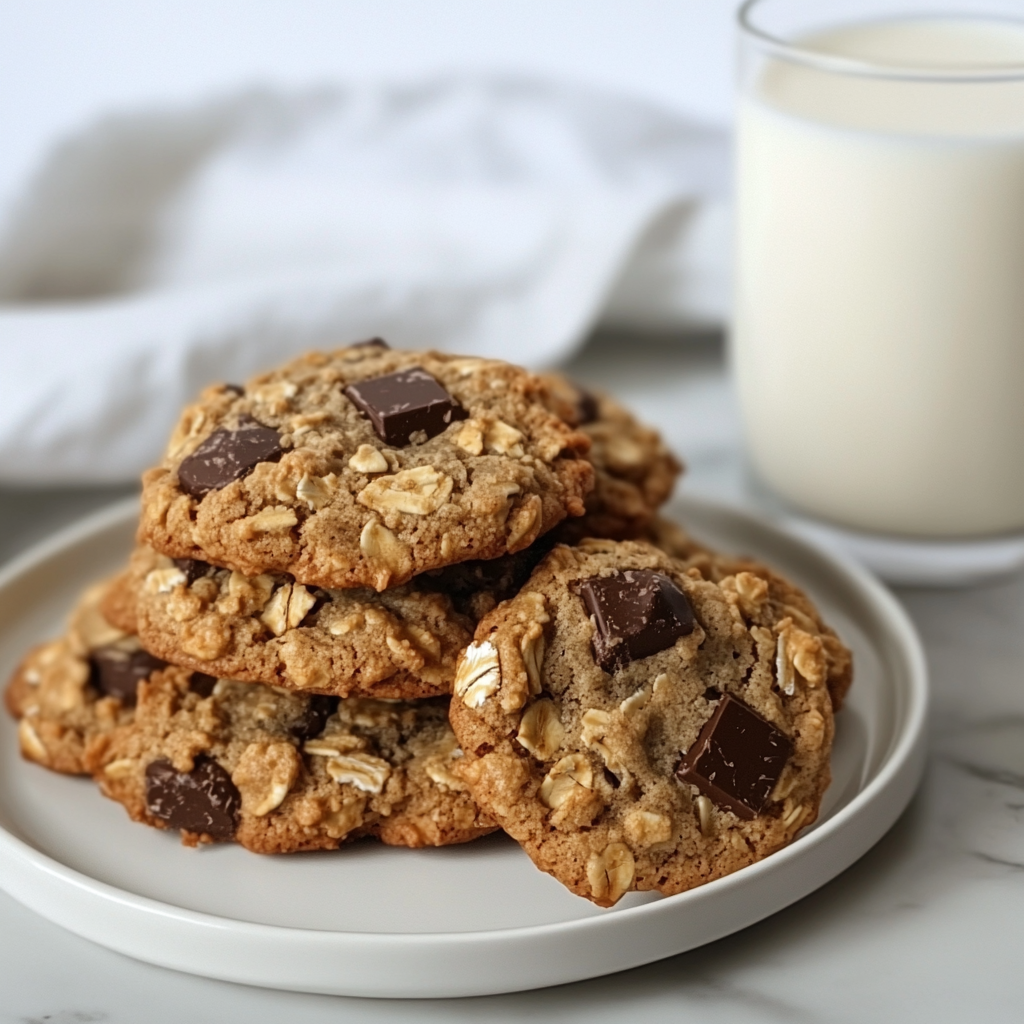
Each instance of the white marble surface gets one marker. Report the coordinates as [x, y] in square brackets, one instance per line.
[927, 927]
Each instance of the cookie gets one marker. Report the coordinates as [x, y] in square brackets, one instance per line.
[401, 643]
[70, 691]
[634, 472]
[633, 728]
[364, 467]
[281, 772]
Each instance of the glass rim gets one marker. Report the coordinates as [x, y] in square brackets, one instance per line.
[796, 53]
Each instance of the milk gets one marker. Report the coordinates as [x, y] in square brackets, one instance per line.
[879, 331]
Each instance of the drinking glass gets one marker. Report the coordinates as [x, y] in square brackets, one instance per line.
[878, 342]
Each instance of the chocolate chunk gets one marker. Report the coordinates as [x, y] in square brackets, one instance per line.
[404, 403]
[234, 389]
[737, 759]
[193, 568]
[202, 800]
[201, 683]
[586, 405]
[314, 718]
[228, 455]
[372, 343]
[636, 613]
[116, 672]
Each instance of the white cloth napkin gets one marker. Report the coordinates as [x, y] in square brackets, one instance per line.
[155, 252]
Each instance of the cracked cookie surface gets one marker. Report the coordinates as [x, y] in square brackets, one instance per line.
[481, 472]
[597, 771]
[280, 772]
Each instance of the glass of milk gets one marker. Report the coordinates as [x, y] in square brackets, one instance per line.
[878, 343]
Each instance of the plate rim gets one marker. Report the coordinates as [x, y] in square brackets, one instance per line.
[900, 768]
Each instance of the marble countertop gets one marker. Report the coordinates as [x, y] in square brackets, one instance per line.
[928, 926]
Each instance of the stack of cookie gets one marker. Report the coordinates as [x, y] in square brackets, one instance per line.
[420, 597]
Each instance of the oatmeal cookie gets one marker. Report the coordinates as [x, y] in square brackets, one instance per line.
[365, 466]
[400, 643]
[634, 472]
[281, 772]
[70, 691]
[632, 726]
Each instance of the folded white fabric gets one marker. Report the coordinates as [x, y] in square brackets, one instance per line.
[158, 251]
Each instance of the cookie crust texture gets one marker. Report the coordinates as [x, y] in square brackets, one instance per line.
[634, 471]
[782, 599]
[401, 643]
[60, 714]
[340, 508]
[578, 765]
[380, 769]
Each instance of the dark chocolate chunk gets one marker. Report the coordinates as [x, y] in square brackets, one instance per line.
[234, 389]
[586, 405]
[372, 343]
[228, 455]
[314, 718]
[201, 683]
[117, 672]
[737, 758]
[193, 568]
[202, 800]
[404, 403]
[637, 613]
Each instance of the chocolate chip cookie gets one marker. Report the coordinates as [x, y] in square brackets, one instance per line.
[70, 691]
[634, 725]
[634, 472]
[365, 466]
[401, 643]
[281, 772]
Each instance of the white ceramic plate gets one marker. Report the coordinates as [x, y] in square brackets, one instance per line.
[467, 920]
